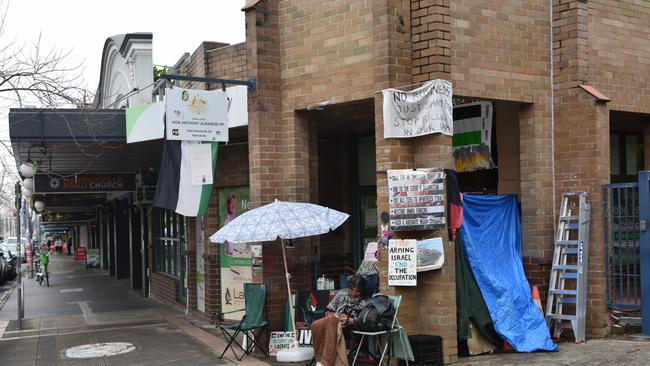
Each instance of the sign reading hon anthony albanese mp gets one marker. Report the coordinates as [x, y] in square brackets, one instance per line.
[197, 115]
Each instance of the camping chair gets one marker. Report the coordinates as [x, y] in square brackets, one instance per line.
[395, 336]
[253, 319]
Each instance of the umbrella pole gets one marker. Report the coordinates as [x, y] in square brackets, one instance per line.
[286, 275]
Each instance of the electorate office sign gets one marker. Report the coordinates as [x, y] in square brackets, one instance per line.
[84, 183]
[196, 115]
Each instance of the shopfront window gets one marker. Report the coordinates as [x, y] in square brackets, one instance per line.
[170, 230]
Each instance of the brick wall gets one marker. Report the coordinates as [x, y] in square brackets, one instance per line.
[619, 51]
[326, 48]
[581, 141]
[164, 288]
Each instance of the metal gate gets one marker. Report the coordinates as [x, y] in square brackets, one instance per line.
[622, 244]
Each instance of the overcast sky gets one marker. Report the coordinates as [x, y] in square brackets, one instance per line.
[82, 26]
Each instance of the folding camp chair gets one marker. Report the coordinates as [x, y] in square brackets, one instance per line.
[253, 319]
[395, 336]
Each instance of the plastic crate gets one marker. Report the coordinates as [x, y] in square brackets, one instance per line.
[427, 350]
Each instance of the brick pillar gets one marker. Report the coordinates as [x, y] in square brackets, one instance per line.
[436, 289]
[278, 152]
[581, 143]
[536, 197]
[582, 164]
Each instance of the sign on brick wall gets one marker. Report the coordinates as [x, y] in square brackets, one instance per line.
[416, 199]
[423, 111]
[402, 262]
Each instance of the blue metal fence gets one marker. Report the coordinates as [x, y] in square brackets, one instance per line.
[622, 255]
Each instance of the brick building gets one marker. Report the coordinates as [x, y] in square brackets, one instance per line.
[561, 93]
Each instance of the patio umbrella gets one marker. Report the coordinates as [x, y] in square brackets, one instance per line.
[284, 220]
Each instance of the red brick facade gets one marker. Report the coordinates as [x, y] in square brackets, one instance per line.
[319, 67]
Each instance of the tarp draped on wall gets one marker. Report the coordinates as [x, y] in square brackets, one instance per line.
[491, 235]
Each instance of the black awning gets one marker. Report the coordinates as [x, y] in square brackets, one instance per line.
[67, 125]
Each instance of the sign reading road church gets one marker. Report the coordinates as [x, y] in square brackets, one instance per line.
[80, 183]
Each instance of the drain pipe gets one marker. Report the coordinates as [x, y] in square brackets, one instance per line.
[552, 76]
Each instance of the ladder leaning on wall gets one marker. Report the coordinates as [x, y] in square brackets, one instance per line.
[567, 289]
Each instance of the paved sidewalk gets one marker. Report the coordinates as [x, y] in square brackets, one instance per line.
[88, 307]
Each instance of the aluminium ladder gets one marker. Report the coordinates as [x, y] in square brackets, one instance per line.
[567, 295]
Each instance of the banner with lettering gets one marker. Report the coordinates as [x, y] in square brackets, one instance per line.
[423, 111]
[416, 199]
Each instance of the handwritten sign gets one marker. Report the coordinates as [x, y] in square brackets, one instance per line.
[402, 262]
[417, 200]
[423, 111]
[281, 340]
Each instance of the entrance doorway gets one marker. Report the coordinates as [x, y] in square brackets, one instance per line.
[344, 178]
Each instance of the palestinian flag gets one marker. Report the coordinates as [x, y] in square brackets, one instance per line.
[174, 190]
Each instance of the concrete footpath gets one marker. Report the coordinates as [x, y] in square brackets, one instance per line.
[84, 308]
[64, 324]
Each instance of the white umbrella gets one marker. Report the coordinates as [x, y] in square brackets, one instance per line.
[284, 220]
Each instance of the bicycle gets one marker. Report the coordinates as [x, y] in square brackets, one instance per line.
[42, 274]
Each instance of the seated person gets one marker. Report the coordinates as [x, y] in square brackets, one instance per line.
[347, 303]
[327, 333]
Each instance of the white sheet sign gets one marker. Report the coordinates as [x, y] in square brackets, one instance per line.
[201, 164]
[402, 262]
[423, 111]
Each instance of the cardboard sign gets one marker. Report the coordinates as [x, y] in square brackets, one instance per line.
[281, 340]
[402, 262]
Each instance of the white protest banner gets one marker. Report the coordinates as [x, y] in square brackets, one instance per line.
[281, 340]
[425, 110]
[402, 262]
[196, 115]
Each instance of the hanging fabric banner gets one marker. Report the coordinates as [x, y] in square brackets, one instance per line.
[473, 136]
[423, 111]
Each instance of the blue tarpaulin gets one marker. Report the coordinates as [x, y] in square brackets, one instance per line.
[491, 234]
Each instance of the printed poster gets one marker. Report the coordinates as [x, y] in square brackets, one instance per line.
[430, 254]
[402, 262]
[236, 258]
[423, 111]
[416, 199]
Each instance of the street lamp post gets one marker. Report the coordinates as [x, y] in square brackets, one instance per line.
[18, 262]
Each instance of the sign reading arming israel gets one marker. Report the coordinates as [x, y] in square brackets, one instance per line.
[196, 115]
[423, 111]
